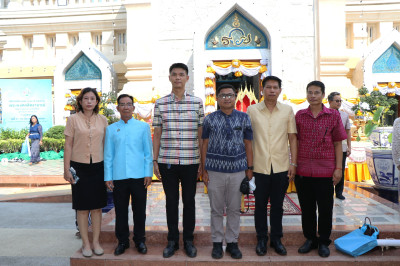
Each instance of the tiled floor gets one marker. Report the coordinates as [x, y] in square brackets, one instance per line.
[348, 213]
[52, 167]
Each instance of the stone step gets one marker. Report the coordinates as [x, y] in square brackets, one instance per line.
[32, 180]
[154, 257]
[290, 238]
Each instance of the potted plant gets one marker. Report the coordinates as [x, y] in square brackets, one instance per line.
[376, 107]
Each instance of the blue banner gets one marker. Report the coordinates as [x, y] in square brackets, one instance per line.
[21, 98]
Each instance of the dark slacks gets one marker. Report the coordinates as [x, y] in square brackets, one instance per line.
[124, 190]
[171, 174]
[269, 187]
[339, 186]
[316, 192]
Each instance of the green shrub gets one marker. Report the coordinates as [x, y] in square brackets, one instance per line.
[50, 144]
[8, 133]
[11, 145]
[56, 132]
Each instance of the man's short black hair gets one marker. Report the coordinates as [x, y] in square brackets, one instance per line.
[123, 96]
[318, 84]
[332, 95]
[179, 65]
[226, 86]
[272, 78]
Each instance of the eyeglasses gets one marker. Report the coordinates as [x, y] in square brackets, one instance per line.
[125, 104]
[226, 96]
[338, 101]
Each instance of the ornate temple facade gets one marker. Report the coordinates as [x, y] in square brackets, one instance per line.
[128, 45]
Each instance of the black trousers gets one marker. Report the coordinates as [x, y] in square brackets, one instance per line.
[316, 192]
[171, 174]
[339, 186]
[124, 190]
[269, 187]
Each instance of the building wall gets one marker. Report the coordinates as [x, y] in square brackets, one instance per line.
[22, 23]
[309, 39]
[183, 27]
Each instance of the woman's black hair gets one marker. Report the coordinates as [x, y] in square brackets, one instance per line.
[30, 120]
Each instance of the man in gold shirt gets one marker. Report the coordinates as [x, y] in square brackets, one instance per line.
[273, 127]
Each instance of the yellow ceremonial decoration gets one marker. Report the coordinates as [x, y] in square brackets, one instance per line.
[75, 92]
[297, 101]
[69, 107]
[209, 83]
[210, 70]
[246, 93]
[263, 68]
[236, 63]
[238, 74]
[226, 64]
[210, 100]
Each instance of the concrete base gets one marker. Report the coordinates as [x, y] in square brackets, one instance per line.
[247, 243]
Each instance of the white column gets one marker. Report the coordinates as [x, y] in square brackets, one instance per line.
[360, 35]
[139, 53]
[385, 28]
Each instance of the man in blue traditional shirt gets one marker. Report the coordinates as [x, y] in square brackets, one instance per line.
[227, 157]
[128, 170]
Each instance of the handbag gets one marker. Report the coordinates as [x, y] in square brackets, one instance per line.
[245, 189]
[245, 186]
[24, 147]
[359, 241]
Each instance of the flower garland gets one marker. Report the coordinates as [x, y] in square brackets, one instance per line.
[391, 88]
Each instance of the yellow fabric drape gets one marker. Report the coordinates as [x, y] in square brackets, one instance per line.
[297, 101]
[243, 63]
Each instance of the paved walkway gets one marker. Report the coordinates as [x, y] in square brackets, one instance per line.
[44, 233]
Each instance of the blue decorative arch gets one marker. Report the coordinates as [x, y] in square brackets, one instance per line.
[388, 62]
[83, 69]
[236, 32]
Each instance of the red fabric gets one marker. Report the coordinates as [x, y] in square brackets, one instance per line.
[246, 103]
[316, 153]
[239, 106]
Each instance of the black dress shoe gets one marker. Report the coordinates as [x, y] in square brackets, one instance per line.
[217, 251]
[141, 247]
[172, 246]
[307, 246]
[261, 248]
[278, 246]
[323, 251]
[341, 197]
[121, 248]
[190, 249]
[234, 250]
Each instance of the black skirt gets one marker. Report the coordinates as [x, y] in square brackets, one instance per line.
[90, 192]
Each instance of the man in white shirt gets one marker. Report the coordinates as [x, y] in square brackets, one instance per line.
[335, 102]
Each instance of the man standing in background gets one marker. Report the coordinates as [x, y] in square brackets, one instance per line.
[335, 102]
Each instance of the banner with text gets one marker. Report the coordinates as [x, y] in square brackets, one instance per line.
[21, 98]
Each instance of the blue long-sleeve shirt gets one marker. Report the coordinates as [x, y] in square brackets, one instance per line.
[128, 151]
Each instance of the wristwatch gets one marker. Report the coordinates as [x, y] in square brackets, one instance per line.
[250, 167]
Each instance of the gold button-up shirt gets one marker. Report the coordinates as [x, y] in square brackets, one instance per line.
[270, 136]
